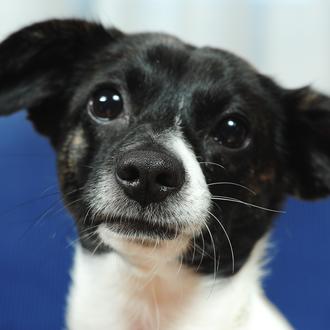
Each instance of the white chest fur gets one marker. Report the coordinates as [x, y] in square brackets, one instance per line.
[109, 293]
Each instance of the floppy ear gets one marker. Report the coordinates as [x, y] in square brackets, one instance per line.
[309, 142]
[37, 67]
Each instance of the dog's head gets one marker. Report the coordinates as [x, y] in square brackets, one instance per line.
[160, 142]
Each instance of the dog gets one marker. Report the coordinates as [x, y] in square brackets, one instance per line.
[174, 161]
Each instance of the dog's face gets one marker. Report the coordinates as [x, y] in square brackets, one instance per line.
[163, 144]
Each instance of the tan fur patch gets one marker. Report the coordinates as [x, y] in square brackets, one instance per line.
[72, 150]
[267, 176]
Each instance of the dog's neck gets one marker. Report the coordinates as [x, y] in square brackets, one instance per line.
[111, 292]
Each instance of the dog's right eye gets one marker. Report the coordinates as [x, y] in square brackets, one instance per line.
[105, 104]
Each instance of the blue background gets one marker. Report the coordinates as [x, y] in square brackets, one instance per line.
[37, 236]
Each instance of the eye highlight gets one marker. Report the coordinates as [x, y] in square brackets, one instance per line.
[105, 104]
[232, 132]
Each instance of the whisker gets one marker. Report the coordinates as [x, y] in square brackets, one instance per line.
[214, 259]
[217, 206]
[96, 248]
[203, 250]
[180, 265]
[47, 212]
[88, 166]
[65, 206]
[50, 210]
[39, 219]
[74, 241]
[86, 215]
[153, 274]
[198, 248]
[228, 239]
[232, 184]
[41, 197]
[36, 155]
[212, 163]
[15, 207]
[49, 188]
[235, 200]
[154, 298]
[194, 248]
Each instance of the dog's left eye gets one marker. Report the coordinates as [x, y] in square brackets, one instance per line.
[232, 132]
[105, 104]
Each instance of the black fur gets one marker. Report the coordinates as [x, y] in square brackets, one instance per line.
[52, 68]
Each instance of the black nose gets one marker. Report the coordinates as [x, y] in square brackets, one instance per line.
[149, 176]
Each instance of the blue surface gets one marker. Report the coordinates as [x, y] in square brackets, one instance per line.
[299, 281]
[36, 249]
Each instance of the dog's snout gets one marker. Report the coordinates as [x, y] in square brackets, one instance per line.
[149, 176]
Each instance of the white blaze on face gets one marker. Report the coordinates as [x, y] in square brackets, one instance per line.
[196, 197]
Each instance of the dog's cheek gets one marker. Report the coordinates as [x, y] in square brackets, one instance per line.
[70, 161]
[268, 184]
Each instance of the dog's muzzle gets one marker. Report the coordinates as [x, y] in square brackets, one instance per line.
[149, 176]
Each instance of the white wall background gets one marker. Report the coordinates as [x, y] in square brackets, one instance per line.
[288, 39]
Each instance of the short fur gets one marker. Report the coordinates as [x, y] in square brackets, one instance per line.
[175, 95]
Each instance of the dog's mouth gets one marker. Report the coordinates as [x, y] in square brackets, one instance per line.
[141, 229]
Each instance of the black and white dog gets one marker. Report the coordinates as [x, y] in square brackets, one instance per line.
[173, 161]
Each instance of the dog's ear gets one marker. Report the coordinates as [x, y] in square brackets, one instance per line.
[37, 66]
[308, 133]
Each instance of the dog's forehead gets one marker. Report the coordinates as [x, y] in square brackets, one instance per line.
[163, 55]
[159, 67]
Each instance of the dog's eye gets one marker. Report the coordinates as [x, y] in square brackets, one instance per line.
[105, 104]
[231, 132]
